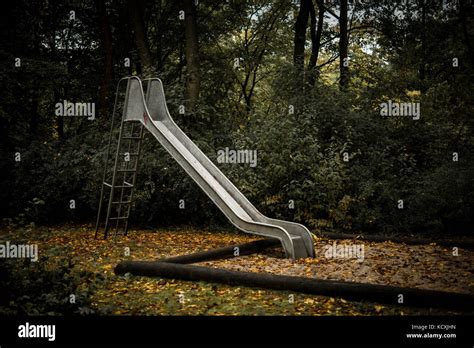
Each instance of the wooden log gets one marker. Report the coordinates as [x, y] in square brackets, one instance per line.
[225, 252]
[411, 241]
[348, 290]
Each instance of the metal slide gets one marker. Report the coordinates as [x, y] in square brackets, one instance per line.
[152, 112]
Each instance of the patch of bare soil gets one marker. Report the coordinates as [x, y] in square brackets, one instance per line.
[418, 266]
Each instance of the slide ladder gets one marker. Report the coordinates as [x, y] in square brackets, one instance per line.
[152, 113]
[118, 185]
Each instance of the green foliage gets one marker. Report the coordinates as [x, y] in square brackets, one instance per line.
[301, 155]
[45, 287]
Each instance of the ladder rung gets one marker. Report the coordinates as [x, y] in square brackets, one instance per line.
[127, 184]
[119, 218]
[126, 170]
[123, 202]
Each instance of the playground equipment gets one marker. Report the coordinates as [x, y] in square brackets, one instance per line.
[149, 111]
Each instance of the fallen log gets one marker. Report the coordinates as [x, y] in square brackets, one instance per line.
[406, 240]
[225, 252]
[352, 291]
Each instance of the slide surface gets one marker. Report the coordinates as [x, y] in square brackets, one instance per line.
[152, 112]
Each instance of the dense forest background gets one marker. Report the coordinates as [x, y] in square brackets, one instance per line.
[301, 82]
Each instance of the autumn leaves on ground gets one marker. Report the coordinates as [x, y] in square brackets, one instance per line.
[424, 267]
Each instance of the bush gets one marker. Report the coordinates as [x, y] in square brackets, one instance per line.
[45, 287]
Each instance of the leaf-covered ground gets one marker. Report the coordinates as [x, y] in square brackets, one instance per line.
[428, 267]
[417, 266]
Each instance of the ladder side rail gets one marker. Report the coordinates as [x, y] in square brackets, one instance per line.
[127, 163]
[114, 174]
[137, 159]
[109, 144]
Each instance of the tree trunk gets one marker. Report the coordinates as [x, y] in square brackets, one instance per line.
[422, 68]
[35, 95]
[141, 41]
[316, 32]
[56, 91]
[343, 47]
[465, 244]
[159, 37]
[191, 53]
[108, 57]
[59, 119]
[34, 115]
[464, 9]
[300, 34]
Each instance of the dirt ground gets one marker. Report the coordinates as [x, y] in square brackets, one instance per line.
[417, 266]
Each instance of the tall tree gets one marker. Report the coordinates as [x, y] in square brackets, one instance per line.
[106, 39]
[35, 94]
[300, 34]
[257, 36]
[465, 14]
[343, 46]
[192, 53]
[316, 32]
[136, 8]
[52, 36]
